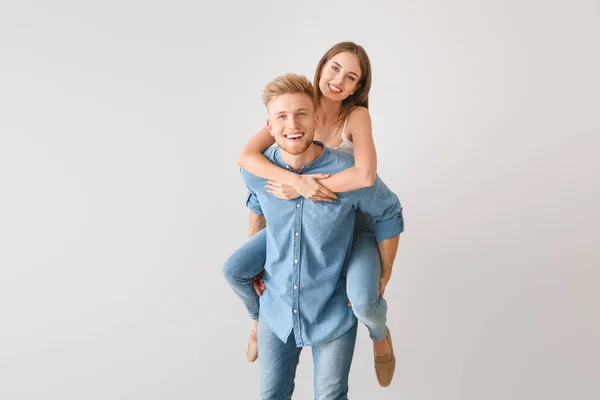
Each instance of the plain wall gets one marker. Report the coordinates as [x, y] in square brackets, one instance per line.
[120, 198]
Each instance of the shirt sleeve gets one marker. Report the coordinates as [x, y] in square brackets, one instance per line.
[252, 203]
[384, 207]
[251, 199]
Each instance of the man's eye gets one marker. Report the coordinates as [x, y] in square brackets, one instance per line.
[281, 117]
[302, 114]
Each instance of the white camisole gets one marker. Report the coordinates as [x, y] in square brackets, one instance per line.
[346, 146]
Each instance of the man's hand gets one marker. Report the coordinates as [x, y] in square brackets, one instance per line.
[387, 253]
[258, 283]
[383, 281]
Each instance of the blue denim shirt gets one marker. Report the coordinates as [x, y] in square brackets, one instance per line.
[308, 245]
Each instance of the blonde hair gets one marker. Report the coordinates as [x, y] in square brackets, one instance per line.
[288, 84]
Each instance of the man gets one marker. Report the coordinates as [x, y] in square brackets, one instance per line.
[308, 244]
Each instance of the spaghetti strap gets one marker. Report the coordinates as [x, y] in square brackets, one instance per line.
[345, 122]
[344, 128]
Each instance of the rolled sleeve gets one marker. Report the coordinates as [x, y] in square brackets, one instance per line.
[389, 228]
[251, 199]
[252, 203]
[384, 207]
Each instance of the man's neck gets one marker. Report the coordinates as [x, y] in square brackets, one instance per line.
[299, 160]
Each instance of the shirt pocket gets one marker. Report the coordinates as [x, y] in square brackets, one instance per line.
[326, 207]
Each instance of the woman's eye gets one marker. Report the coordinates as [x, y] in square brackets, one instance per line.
[352, 78]
[334, 68]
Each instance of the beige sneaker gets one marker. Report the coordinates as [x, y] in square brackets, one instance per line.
[252, 350]
[386, 364]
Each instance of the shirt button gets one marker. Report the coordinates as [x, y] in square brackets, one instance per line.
[295, 287]
[298, 205]
[295, 311]
[297, 234]
[296, 261]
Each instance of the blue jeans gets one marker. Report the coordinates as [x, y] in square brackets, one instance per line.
[362, 285]
[243, 264]
[362, 279]
[278, 362]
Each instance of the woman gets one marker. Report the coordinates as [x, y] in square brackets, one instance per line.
[342, 82]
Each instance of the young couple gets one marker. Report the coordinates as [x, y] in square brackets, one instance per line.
[324, 229]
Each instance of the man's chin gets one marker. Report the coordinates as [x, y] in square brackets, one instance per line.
[294, 152]
[294, 149]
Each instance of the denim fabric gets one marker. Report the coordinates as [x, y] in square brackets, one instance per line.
[278, 362]
[362, 284]
[243, 264]
[308, 246]
[362, 279]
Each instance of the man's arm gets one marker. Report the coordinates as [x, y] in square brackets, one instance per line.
[387, 254]
[256, 223]
[384, 207]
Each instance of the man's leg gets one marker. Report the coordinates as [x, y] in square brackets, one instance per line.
[278, 362]
[332, 362]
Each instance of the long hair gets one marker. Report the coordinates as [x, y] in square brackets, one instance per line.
[361, 95]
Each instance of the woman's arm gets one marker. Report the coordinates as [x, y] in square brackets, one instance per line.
[364, 172]
[253, 161]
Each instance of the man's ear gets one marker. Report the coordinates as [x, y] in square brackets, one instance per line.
[270, 126]
[316, 119]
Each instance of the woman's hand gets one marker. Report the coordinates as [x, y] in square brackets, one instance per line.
[281, 191]
[307, 186]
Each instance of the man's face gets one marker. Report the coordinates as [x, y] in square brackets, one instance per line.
[292, 122]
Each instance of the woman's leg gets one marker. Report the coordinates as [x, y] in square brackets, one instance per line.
[362, 284]
[364, 270]
[245, 263]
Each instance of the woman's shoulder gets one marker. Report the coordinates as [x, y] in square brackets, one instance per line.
[358, 119]
[359, 112]
[359, 115]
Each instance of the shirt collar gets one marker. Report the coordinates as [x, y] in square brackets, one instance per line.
[313, 164]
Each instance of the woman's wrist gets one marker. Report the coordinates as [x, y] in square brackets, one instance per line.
[293, 180]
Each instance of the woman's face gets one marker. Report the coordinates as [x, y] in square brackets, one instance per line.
[340, 76]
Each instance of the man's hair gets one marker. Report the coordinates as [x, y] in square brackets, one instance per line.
[288, 84]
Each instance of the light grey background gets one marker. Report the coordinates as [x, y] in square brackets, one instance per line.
[120, 123]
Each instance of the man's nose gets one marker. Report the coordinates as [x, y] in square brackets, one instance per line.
[292, 122]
